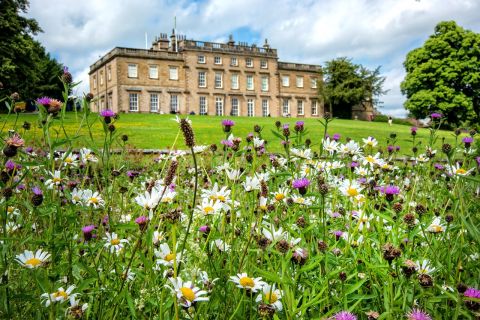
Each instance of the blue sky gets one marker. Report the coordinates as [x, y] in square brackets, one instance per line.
[370, 32]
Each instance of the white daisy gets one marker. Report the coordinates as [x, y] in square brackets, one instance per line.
[32, 260]
[436, 226]
[242, 280]
[165, 256]
[271, 296]
[115, 244]
[186, 292]
[60, 296]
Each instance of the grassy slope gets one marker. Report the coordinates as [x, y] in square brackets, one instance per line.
[158, 131]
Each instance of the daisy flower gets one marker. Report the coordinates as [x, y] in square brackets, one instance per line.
[350, 188]
[148, 200]
[208, 207]
[113, 243]
[221, 245]
[273, 235]
[271, 296]
[233, 175]
[251, 183]
[263, 203]
[424, 267]
[371, 160]
[87, 155]
[331, 146]
[56, 179]
[370, 141]
[60, 296]
[436, 226]
[31, 260]
[93, 199]
[77, 196]
[243, 281]
[165, 256]
[281, 194]
[301, 154]
[70, 160]
[187, 294]
[457, 170]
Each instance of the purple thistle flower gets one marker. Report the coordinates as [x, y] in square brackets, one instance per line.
[21, 187]
[28, 149]
[467, 140]
[37, 191]
[87, 232]
[336, 137]
[436, 115]
[413, 130]
[107, 113]
[44, 101]
[204, 229]
[301, 185]
[337, 234]
[417, 314]
[227, 143]
[65, 69]
[10, 165]
[228, 123]
[336, 215]
[299, 126]
[285, 126]
[344, 315]
[472, 293]
[390, 148]
[353, 164]
[438, 166]
[142, 222]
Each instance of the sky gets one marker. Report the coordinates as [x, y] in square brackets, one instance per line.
[370, 32]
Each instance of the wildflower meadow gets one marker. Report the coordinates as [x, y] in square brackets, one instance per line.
[328, 228]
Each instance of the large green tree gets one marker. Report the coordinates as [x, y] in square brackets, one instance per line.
[346, 85]
[25, 66]
[444, 75]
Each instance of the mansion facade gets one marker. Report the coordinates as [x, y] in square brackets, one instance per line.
[183, 76]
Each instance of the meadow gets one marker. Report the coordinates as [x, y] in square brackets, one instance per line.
[155, 131]
[264, 224]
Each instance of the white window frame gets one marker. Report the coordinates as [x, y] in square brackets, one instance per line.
[154, 102]
[299, 81]
[201, 59]
[217, 60]
[132, 70]
[202, 79]
[233, 61]
[203, 105]
[173, 73]
[285, 81]
[109, 73]
[235, 111]
[263, 64]
[174, 103]
[219, 106]
[218, 80]
[285, 107]
[300, 108]
[234, 79]
[250, 84]
[313, 83]
[133, 102]
[101, 77]
[314, 108]
[153, 71]
[264, 83]
[265, 108]
[250, 108]
[249, 62]
[94, 82]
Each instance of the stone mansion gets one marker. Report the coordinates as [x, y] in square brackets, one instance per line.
[183, 76]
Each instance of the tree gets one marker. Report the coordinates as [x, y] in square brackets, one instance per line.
[25, 66]
[444, 75]
[346, 85]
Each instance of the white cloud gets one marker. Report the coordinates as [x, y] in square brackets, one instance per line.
[373, 32]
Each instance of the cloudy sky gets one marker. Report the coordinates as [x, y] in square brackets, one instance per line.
[371, 32]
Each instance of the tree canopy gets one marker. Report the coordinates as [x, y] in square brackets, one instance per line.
[346, 85]
[444, 75]
[25, 66]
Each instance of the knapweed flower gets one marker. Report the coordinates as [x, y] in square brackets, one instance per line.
[472, 293]
[60, 296]
[417, 314]
[44, 101]
[299, 126]
[436, 115]
[243, 281]
[31, 260]
[389, 191]
[413, 130]
[142, 222]
[107, 113]
[344, 315]
[227, 125]
[301, 184]
[87, 232]
[467, 141]
[186, 292]
[15, 141]
[271, 296]
[114, 243]
[37, 197]
[336, 136]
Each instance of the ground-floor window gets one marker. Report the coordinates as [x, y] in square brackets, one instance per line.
[219, 106]
[314, 108]
[250, 107]
[154, 102]
[173, 103]
[300, 108]
[285, 107]
[265, 111]
[234, 111]
[203, 105]
[133, 98]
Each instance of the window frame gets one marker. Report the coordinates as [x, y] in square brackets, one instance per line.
[250, 108]
[201, 59]
[232, 63]
[200, 84]
[152, 95]
[150, 68]
[265, 108]
[299, 82]
[219, 103]
[173, 76]
[300, 108]
[265, 84]
[217, 58]
[237, 82]
[263, 64]
[252, 87]
[130, 70]
[287, 82]
[235, 107]
[314, 104]
[249, 62]
[314, 83]
[133, 102]
[285, 103]
[174, 102]
[218, 81]
[204, 105]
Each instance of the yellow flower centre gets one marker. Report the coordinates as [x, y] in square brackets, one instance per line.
[10, 209]
[76, 198]
[436, 228]
[188, 293]
[62, 294]
[271, 298]
[115, 242]
[263, 207]
[221, 198]
[169, 257]
[370, 159]
[461, 171]
[247, 282]
[300, 200]
[33, 262]
[352, 192]
[166, 199]
[208, 210]
[279, 196]
[68, 160]
[93, 200]
[56, 180]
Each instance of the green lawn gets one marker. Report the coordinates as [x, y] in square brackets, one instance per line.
[151, 131]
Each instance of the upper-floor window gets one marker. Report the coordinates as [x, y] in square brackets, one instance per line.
[201, 59]
[234, 79]
[249, 62]
[217, 60]
[263, 64]
[132, 70]
[299, 82]
[218, 80]
[264, 83]
[313, 83]
[153, 72]
[94, 82]
[202, 79]
[249, 82]
[109, 73]
[173, 72]
[285, 81]
[234, 61]
[101, 77]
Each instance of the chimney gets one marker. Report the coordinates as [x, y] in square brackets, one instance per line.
[230, 42]
[266, 45]
[173, 41]
[161, 42]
